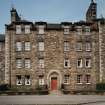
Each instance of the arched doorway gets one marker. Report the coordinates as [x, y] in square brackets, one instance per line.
[54, 80]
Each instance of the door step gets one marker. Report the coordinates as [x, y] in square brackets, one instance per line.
[55, 92]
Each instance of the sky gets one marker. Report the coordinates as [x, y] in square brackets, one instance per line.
[51, 11]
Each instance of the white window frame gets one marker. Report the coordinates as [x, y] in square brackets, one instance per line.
[81, 63]
[79, 30]
[19, 63]
[87, 30]
[66, 46]
[66, 79]
[88, 60]
[18, 29]
[79, 79]
[41, 81]
[27, 46]
[27, 80]
[40, 46]
[27, 63]
[41, 63]
[66, 61]
[88, 46]
[27, 29]
[41, 29]
[19, 82]
[79, 46]
[19, 46]
[66, 30]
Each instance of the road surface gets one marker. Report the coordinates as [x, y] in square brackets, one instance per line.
[52, 99]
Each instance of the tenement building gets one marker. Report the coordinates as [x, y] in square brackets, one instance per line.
[68, 55]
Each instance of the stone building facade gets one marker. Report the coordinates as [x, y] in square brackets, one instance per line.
[2, 58]
[68, 54]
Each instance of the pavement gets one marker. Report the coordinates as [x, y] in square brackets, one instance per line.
[53, 99]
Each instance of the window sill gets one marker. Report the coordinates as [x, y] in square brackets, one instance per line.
[27, 84]
[87, 67]
[18, 84]
[79, 83]
[79, 50]
[67, 67]
[88, 83]
[88, 50]
[66, 83]
[79, 67]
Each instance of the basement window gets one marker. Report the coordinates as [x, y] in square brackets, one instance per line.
[18, 80]
[27, 80]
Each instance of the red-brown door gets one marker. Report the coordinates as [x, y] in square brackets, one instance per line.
[53, 83]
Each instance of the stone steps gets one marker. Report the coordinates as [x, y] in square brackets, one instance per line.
[55, 92]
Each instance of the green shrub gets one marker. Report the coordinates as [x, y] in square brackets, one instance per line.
[4, 87]
[100, 86]
[42, 90]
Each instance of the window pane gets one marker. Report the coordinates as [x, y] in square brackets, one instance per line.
[41, 81]
[18, 29]
[41, 30]
[41, 46]
[66, 31]
[88, 79]
[18, 46]
[18, 80]
[79, 63]
[66, 63]
[27, 63]
[19, 63]
[88, 47]
[27, 80]
[87, 30]
[66, 46]
[41, 63]
[27, 46]
[27, 29]
[79, 78]
[79, 46]
[66, 79]
[79, 30]
[88, 62]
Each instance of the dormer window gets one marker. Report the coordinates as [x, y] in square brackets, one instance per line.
[41, 29]
[87, 30]
[66, 30]
[18, 29]
[27, 29]
[79, 30]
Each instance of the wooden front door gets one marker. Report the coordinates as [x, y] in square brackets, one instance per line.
[54, 83]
